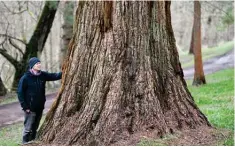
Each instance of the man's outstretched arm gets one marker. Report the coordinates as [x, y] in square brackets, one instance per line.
[52, 76]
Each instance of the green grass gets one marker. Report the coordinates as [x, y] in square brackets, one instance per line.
[216, 98]
[156, 142]
[187, 60]
[151, 142]
[12, 135]
[9, 100]
[10, 97]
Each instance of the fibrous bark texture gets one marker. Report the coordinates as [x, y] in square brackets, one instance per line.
[122, 75]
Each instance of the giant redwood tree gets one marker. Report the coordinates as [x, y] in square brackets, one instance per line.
[122, 76]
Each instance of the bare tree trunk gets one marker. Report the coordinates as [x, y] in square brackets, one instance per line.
[36, 44]
[3, 90]
[51, 55]
[122, 76]
[46, 62]
[192, 42]
[199, 77]
[67, 28]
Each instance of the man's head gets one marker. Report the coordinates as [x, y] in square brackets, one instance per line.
[35, 63]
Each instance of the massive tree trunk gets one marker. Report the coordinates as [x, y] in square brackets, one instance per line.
[36, 43]
[3, 90]
[122, 76]
[199, 77]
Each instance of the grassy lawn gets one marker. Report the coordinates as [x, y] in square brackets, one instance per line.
[12, 135]
[215, 100]
[10, 97]
[8, 100]
[207, 53]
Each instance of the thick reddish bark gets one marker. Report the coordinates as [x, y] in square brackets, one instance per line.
[199, 77]
[122, 76]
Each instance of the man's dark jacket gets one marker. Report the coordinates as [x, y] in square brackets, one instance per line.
[31, 89]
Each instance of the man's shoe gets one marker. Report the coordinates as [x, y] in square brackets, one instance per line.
[25, 143]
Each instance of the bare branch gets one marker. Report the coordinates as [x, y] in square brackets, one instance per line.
[216, 7]
[32, 15]
[4, 53]
[41, 4]
[13, 12]
[6, 19]
[5, 35]
[5, 39]
[16, 46]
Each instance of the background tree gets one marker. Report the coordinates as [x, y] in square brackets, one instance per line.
[122, 75]
[199, 77]
[226, 18]
[3, 90]
[192, 41]
[68, 14]
[214, 17]
[34, 46]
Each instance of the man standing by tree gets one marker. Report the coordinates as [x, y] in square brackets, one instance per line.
[31, 95]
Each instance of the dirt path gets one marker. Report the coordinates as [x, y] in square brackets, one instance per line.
[12, 113]
[212, 65]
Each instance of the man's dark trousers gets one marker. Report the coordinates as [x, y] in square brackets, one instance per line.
[31, 123]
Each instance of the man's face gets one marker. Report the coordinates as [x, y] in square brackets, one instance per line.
[37, 66]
